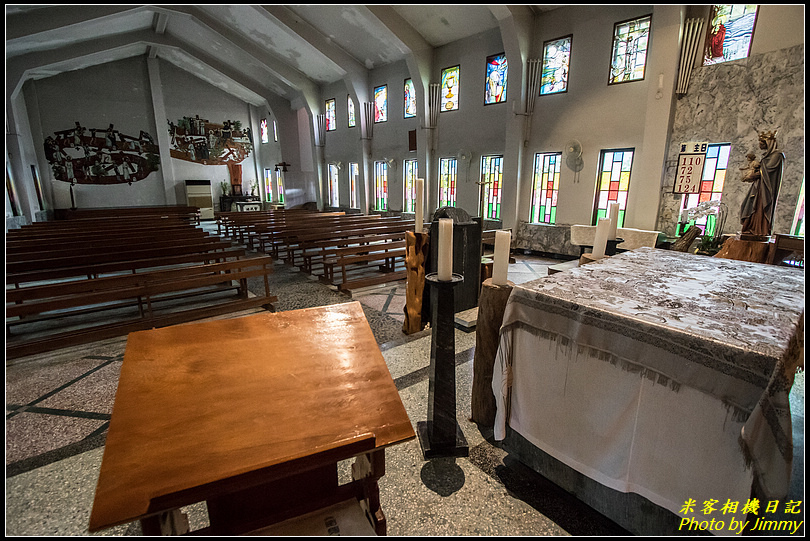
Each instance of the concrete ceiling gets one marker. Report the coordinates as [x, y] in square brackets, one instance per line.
[247, 50]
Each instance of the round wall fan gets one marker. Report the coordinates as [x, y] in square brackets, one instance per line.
[573, 156]
[464, 155]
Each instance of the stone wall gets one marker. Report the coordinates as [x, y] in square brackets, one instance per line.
[731, 103]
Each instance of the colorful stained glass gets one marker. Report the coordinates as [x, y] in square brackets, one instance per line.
[629, 58]
[354, 173]
[333, 185]
[275, 131]
[268, 185]
[448, 168]
[711, 186]
[380, 186]
[556, 59]
[410, 185]
[381, 103]
[495, 84]
[614, 183]
[350, 109]
[263, 130]
[492, 179]
[730, 31]
[331, 123]
[410, 99]
[546, 186]
[280, 186]
[450, 88]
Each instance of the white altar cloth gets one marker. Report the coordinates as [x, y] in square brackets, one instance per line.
[657, 372]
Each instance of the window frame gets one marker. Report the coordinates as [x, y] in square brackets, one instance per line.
[570, 38]
[613, 49]
[453, 184]
[622, 211]
[537, 190]
[458, 86]
[376, 121]
[486, 78]
[330, 114]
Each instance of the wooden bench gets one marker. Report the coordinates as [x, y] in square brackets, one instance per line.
[186, 212]
[130, 266]
[127, 303]
[290, 247]
[354, 258]
[313, 253]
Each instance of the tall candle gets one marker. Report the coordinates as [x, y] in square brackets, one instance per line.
[613, 215]
[420, 190]
[600, 241]
[445, 270]
[500, 267]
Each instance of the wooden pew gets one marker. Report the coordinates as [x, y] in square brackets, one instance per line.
[357, 258]
[186, 212]
[139, 301]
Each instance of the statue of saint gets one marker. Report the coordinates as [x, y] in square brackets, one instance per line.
[756, 212]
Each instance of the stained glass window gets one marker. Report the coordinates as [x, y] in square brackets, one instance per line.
[331, 124]
[546, 185]
[730, 31]
[448, 168]
[280, 186]
[629, 58]
[410, 99]
[381, 103]
[495, 91]
[450, 86]
[556, 59]
[268, 185]
[380, 186]
[410, 185]
[264, 132]
[354, 174]
[492, 178]
[711, 186]
[350, 109]
[613, 183]
[275, 131]
[333, 186]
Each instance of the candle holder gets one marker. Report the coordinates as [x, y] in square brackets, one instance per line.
[441, 435]
[610, 248]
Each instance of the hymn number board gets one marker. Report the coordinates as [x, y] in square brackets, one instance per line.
[690, 167]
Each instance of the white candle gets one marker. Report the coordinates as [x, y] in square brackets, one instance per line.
[445, 249]
[613, 215]
[500, 267]
[600, 241]
[420, 190]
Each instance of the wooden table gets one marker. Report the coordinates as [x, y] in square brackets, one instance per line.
[251, 415]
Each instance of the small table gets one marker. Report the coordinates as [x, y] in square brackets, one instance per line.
[251, 415]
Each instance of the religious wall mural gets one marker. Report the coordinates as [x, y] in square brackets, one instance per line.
[100, 156]
[200, 141]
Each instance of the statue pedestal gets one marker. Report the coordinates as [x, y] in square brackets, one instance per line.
[745, 250]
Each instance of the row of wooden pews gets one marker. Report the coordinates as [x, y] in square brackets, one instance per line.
[347, 251]
[75, 281]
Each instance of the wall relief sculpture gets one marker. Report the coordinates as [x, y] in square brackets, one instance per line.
[200, 141]
[97, 156]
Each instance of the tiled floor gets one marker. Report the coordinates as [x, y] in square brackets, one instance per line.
[58, 406]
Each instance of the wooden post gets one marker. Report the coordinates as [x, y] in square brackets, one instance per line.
[416, 249]
[491, 307]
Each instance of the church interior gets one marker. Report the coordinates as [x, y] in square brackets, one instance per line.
[455, 270]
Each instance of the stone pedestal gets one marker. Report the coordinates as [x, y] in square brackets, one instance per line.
[491, 307]
[440, 435]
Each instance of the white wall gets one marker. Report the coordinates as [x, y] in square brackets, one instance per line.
[115, 93]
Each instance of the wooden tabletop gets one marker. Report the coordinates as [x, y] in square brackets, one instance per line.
[205, 402]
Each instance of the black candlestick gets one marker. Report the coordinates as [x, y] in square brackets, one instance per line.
[440, 435]
[610, 248]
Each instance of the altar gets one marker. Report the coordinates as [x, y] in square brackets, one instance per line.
[659, 374]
